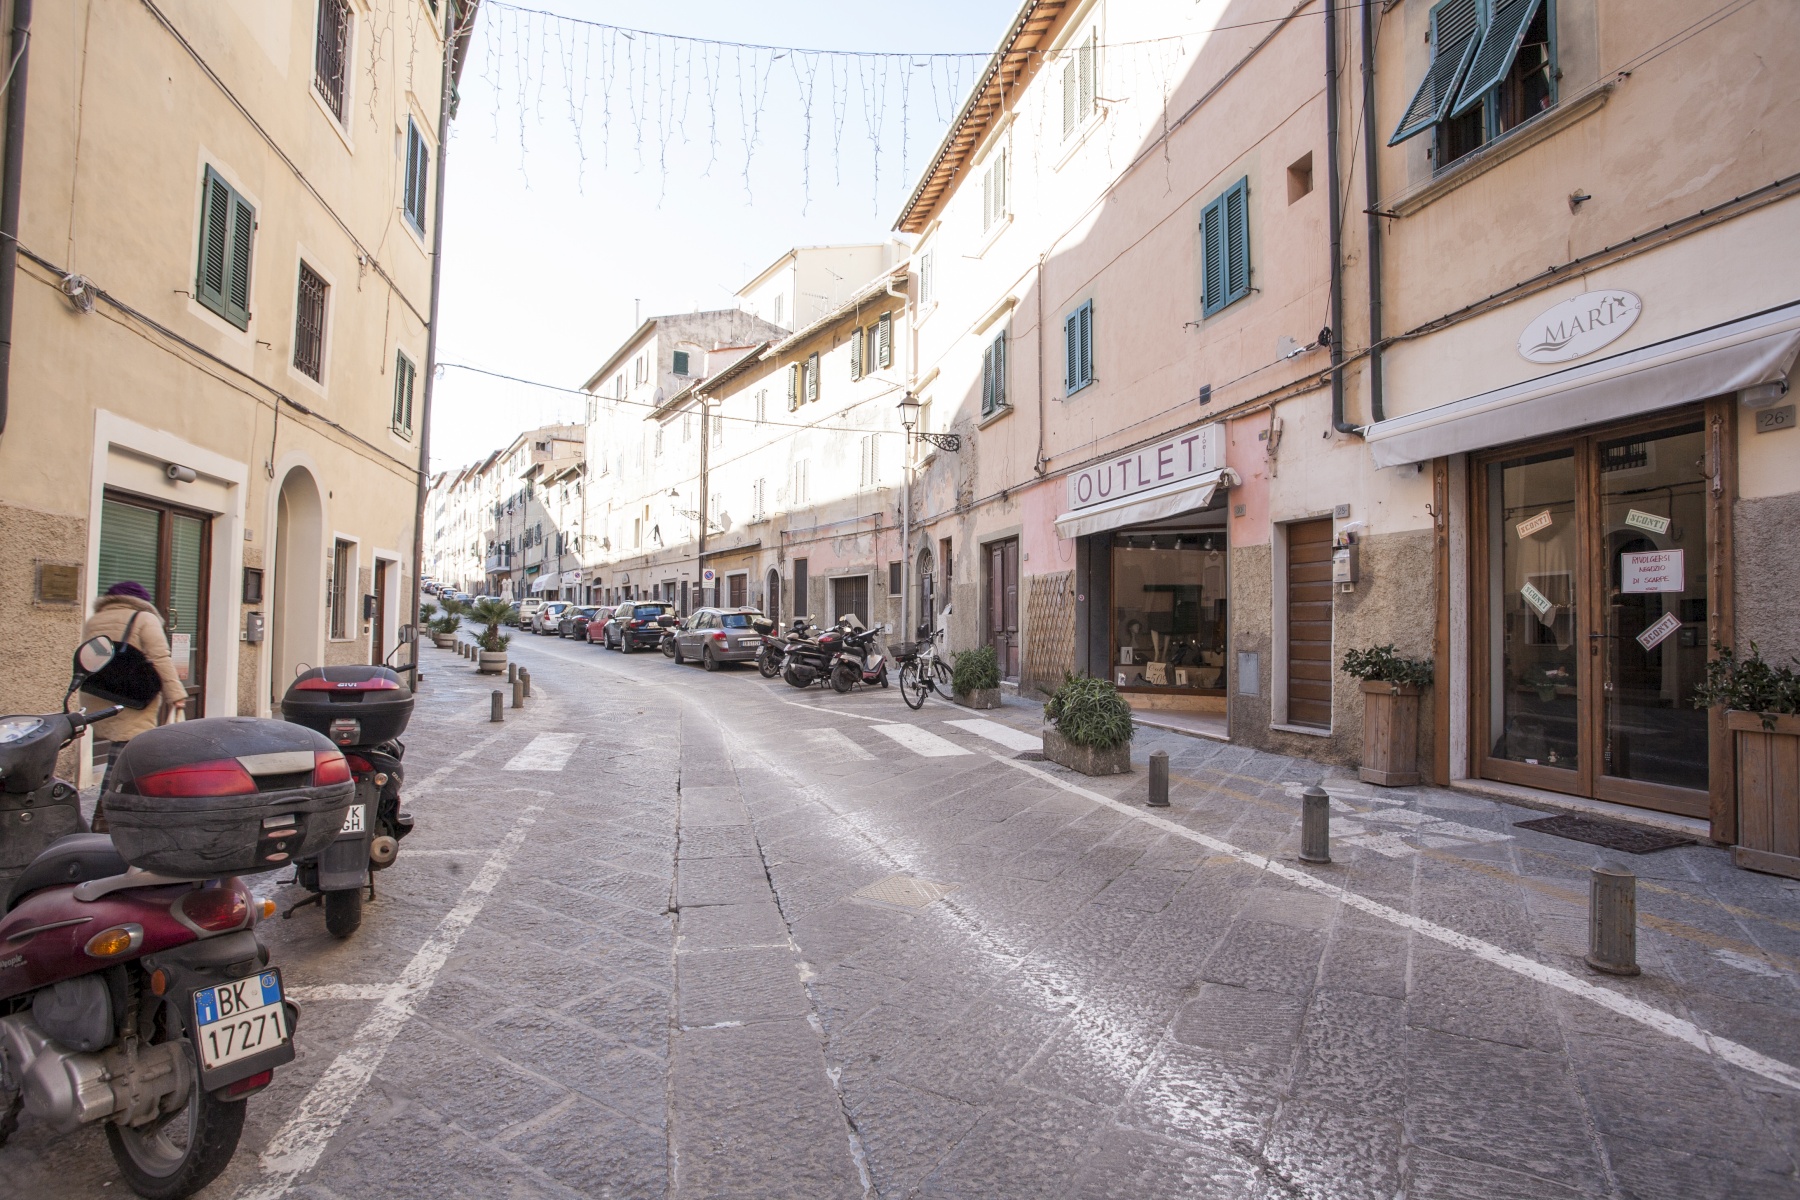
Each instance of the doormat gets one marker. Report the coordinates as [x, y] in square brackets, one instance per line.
[1631, 839]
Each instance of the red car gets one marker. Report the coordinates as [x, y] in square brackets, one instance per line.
[595, 629]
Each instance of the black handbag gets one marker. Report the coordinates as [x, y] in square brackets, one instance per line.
[129, 677]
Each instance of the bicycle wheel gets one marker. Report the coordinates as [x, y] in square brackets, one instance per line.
[940, 675]
[913, 687]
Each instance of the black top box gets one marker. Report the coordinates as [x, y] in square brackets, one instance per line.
[353, 706]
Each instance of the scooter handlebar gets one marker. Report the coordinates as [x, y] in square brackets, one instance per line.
[82, 720]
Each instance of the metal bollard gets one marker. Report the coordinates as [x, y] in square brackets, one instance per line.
[518, 693]
[1612, 921]
[1315, 825]
[497, 707]
[512, 672]
[525, 678]
[1159, 779]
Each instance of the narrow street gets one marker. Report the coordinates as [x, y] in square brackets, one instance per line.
[672, 932]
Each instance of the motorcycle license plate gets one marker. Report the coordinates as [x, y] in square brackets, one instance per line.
[239, 1019]
[353, 819]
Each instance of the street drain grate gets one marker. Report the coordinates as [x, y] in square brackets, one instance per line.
[1630, 839]
[905, 891]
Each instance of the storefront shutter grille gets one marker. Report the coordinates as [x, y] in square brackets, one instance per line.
[1455, 30]
[1494, 55]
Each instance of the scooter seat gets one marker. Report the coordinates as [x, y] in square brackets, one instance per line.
[73, 859]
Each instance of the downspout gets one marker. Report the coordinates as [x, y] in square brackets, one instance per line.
[11, 183]
[431, 330]
[1334, 211]
[1372, 198]
[1042, 464]
[906, 463]
[703, 503]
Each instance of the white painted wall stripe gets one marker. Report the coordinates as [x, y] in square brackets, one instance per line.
[922, 742]
[1006, 735]
[296, 1147]
[835, 741]
[546, 752]
[1651, 1017]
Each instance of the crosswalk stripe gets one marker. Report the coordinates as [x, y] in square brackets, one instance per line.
[921, 741]
[546, 752]
[1006, 735]
[835, 741]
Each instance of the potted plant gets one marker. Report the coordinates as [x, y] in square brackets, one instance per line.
[975, 679]
[443, 629]
[1090, 727]
[1762, 716]
[491, 640]
[1391, 684]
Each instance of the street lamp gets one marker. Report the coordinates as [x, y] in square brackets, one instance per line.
[909, 420]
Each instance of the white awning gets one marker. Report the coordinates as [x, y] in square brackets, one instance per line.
[1694, 366]
[1173, 500]
[542, 583]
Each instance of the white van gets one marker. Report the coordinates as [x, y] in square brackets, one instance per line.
[528, 608]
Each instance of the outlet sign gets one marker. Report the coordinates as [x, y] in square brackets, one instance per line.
[1579, 326]
[1183, 456]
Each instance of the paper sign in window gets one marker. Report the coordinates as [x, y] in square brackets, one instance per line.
[1654, 636]
[1531, 525]
[1539, 602]
[1643, 520]
[1653, 571]
[181, 649]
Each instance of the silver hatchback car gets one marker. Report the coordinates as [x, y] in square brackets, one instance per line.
[713, 636]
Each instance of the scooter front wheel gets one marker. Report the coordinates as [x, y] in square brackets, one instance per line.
[844, 676]
[343, 912]
[181, 1153]
[768, 663]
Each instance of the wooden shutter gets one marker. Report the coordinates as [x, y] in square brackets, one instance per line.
[1493, 57]
[1455, 32]
[884, 341]
[1237, 241]
[227, 229]
[997, 358]
[925, 280]
[1085, 329]
[1072, 351]
[1070, 92]
[987, 380]
[1212, 254]
[856, 353]
[812, 377]
[793, 386]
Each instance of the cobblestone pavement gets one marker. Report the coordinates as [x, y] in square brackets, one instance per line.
[666, 931]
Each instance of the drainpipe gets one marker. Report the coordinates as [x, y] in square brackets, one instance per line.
[1335, 216]
[906, 465]
[1372, 202]
[11, 178]
[431, 330]
[705, 506]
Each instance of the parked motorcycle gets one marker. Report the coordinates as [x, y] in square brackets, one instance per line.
[774, 649]
[860, 659]
[809, 658]
[134, 989]
[363, 710]
[671, 626]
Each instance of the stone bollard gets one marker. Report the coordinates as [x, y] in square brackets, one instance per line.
[512, 672]
[1159, 779]
[525, 678]
[518, 686]
[1315, 825]
[1612, 921]
[497, 707]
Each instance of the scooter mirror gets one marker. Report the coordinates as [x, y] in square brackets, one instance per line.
[408, 633]
[94, 654]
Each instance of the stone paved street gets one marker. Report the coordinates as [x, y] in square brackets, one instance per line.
[641, 945]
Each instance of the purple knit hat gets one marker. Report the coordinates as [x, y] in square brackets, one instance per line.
[129, 588]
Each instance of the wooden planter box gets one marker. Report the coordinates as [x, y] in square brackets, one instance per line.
[1390, 734]
[980, 698]
[1086, 759]
[1768, 792]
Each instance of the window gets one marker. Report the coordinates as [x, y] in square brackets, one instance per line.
[338, 589]
[642, 372]
[715, 510]
[993, 375]
[799, 490]
[687, 427]
[793, 386]
[405, 375]
[658, 450]
[1078, 85]
[812, 377]
[926, 282]
[870, 471]
[856, 353]
[1491, 69]
[993, 190]
[718, 431]
[418, 174]
[762, 405]
[331, 54]
[1225, 247]
[884, 341]
[1078, 348]
[619, 385]
[894, 586]
[227, 229]
[777, 308]
[758, 497]
[309, 324]
[681, 362]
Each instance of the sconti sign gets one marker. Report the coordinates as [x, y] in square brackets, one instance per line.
[1171, 460]
[1579, 326]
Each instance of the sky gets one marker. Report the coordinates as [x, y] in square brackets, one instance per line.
[596, 177]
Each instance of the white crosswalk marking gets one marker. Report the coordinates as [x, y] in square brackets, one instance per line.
[835, 741]
[1006, 735]
[547, 752]
[921, 741]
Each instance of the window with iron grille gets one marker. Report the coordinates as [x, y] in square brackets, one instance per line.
[405, 377]
[331, 54]
[338, 589]
[227, 230]
[418, 175]
[309, 324]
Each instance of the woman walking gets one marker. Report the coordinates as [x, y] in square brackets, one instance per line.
[127, 616]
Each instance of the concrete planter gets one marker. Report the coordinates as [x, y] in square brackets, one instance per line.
[491, 662]
[980, 698]
[444, 641]
[1767, 763]
[1390, 734]
[1089, 760]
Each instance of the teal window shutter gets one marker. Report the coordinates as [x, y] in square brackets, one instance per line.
[1078, 334]
[681, 362]
[1237, 241]
[987, 379]
[1493, 57]
[1455, 31]
[1087, 343]
[997, 364]
[1071, 350]
[227, 231]
[1212, 255]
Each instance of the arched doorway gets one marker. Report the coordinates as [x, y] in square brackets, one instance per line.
[927, 592]
[773, 612]
[296, 594]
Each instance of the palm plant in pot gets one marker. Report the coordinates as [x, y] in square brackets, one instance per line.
[1761, 704]
[1391, 684]
[1090, 727]
[493, 639]
[975, 679]
[443, 629]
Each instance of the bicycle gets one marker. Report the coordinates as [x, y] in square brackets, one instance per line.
[924, 671]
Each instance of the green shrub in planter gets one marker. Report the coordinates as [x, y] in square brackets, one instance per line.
[447, 623]
[1090, 712]
[1379, 664]
[1749, 685]
[976, 670]
[493, 614]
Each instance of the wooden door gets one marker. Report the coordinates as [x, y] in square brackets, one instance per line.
[379, 642]
[1003, 604]
[739, 588]
[1309, 623]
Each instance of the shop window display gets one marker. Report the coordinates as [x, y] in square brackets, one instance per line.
[1168, 591]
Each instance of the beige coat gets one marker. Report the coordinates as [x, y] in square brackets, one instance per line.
[110, 617]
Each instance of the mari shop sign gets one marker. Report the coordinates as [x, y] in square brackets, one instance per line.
[1653, 571]
[1169, 461]
[1579, 326]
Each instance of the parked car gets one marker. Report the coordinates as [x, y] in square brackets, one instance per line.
[574, 621]
[527, 609]
[638, 625]
[596, 624]
[545, 616]
[719, 635]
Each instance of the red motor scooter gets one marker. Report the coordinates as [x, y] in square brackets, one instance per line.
[133, 990]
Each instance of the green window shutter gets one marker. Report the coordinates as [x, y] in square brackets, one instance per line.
[997, 359]
[987, 380]
[1494, 56]
[418, 172]
[1212, 256]
[884, 341]
[856, 353]
[1086, 314]
[1071, 351]
[681, 362]
[793, 386]
[130, 538]
[215, 232]
[1237, 241]
[405, 381]
[1455, 31]
[812, 377]
[237, 289]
